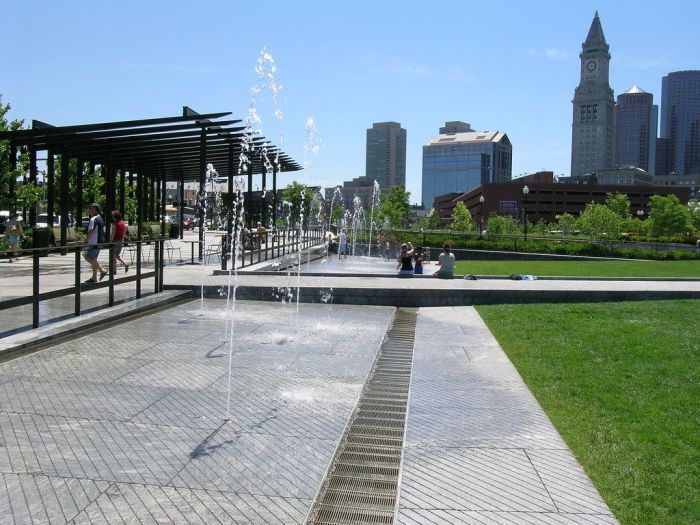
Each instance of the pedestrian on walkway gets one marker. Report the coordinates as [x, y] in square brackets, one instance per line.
[446, 262]
[95, 237]
[343, 244]
[14, 235]
[405, 261]
[116, 235]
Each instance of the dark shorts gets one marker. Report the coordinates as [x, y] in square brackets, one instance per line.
[118, 246]
[92, 253]
[444, 274]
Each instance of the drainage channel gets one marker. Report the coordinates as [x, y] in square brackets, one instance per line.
[362, 483]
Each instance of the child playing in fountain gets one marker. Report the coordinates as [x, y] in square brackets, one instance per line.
[343, 244]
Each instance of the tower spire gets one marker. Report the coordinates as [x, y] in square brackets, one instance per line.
[596, 37]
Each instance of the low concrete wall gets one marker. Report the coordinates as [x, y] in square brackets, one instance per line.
[441, 297]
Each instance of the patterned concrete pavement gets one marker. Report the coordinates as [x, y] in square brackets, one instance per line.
[125, 425]
[479, 448]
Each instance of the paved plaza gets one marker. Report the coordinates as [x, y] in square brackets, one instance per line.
[126, 425]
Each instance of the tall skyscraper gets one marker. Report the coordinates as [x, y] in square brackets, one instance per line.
[459, 161]
[636, 121]
[386, 154]
[593, 123]
[680, 122]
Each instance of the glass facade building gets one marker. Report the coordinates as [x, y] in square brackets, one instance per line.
[460, 162]
[680, 123]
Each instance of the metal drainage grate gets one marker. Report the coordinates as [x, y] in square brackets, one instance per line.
[362, 482]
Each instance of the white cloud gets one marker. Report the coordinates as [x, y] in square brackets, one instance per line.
[549, 53]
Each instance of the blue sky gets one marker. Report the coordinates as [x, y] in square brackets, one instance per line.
[510, 66]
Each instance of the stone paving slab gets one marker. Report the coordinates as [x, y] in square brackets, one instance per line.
[126, 425]
[479, 448]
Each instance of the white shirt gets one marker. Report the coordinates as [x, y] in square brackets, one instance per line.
[447, 261]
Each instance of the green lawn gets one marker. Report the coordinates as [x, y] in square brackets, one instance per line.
[621, 382]
[603, 268]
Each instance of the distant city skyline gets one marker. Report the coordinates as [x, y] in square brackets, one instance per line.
[62, 64]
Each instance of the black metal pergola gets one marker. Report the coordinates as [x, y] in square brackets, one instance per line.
[153, 152]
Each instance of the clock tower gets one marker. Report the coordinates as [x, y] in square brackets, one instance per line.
[593, 122]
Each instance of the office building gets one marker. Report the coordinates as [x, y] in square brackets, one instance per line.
[386, 154]
[680, 123]
[636, 122]
[593, 123]
[459, 161]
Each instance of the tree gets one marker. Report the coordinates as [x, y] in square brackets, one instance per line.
[431, 222]
[566, 223]
[395, 206]
[502, 225]
[694, 209]
[302, 200]
[619, 203]
[600, 222]
[9, 199]
[336, 213]
[669, 217]
[461, 219]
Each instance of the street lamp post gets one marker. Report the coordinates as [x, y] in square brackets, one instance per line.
[481, 216]
[526, 191]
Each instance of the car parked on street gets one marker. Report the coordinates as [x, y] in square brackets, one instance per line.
[187, 223]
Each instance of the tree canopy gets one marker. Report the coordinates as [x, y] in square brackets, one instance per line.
[669, 217]
[395, 206]
[600, 222]
[461, 219]
[619, 203]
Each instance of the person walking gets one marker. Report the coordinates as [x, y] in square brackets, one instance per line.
[446, 262]
[95, 237]
[405, 261]
[343, 244]
[14, 235]
[116, 235]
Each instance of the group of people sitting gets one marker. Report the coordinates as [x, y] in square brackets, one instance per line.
[411, 261]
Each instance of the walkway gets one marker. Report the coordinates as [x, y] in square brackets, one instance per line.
[479, 448]
[125, 425]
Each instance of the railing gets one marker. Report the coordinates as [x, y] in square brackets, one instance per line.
[259, 247]
[78, 286]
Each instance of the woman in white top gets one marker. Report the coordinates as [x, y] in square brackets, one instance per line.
[343, 244]
[14, 235]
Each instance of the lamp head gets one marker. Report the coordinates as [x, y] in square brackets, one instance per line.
[481, 199]
[526, 190]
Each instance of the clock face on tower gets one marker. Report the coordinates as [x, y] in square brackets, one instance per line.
[590, 65]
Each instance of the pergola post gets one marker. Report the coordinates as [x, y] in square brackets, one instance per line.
[140, 205]
[250, 191]
[65, 194]
[275, 169]
[122, 192]
[50, 187]
[13, 180]
[161, 259]
[230, 215]
[78, 193]
[181, 200]
[32, 179]
[91, 194]
[263, 200]
[202, 186]
[109, 173]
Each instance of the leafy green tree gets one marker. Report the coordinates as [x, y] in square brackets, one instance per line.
[600, 222]
[462, 220]
[8, 201]
[694, 209]
[431, 222]
[566, 223]
[302, 200]
[669, 217]
[336, 213]
[502, 225]
[395, 206]
[619, 203]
